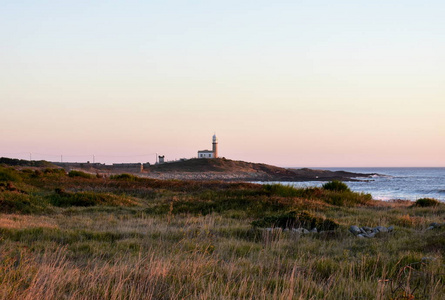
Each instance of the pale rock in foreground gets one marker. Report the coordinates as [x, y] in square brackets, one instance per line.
[368, 232]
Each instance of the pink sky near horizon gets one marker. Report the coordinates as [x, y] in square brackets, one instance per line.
[344, 84]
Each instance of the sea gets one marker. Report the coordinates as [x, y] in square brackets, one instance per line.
[394, 183]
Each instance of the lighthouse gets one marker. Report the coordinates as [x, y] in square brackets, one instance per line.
[210, 153]
[215, 146]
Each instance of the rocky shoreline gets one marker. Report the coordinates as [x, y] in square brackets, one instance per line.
[231, 170]
[301, 176]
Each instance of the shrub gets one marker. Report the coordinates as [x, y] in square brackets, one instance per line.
[22, 162]
[8, 186]
[124, 176]
[426, 202]
[37, 173]
[65, 199]
[28, 171]
[281, 190]
[294, 219]
[346, 198]
[81, 174]
[54, 171]
[337, 186]
[9, 175]
[15, 202]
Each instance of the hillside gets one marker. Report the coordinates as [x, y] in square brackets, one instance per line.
[201, 169]
[26, 163]
[225, 169]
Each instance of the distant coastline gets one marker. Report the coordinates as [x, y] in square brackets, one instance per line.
[203, 169]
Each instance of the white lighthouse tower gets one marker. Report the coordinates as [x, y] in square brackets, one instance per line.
[210, 153]
[215, 146]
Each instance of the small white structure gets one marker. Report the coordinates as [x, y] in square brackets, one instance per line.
[205, 154]
[210, 153]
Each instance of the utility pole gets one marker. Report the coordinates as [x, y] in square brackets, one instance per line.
[30, 156]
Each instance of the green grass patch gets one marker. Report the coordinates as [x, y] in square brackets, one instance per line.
[282, 190]
[346, 198]
[15, 202]
[62, 198]
[54, 171]
[9, 174]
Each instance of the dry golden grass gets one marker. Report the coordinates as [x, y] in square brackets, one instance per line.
[192, 240]
[16, 221]
[206, 257]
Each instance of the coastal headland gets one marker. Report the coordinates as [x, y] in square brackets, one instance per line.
[232, 170]
[200, 169]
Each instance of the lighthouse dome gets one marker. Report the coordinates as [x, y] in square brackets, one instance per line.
[215, 139]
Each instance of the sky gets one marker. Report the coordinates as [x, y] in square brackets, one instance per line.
[302, 83]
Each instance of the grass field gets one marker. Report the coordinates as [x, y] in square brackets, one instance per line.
[79, 236]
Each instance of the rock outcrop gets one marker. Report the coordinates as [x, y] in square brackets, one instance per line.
[369, 232]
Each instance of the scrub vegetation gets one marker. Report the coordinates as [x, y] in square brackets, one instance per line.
[75, 236]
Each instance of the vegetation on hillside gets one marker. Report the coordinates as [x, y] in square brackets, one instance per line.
[226, 169]
[25, 163]
[124, 237]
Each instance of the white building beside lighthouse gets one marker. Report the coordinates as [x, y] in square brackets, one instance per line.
[210, 153]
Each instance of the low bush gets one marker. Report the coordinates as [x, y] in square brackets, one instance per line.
[281, 190]
[8, 186]
[9, 174]
[11, 202]
[28, 171]
[37, 173]
[62, 198]
[218, 203]
[81, 174]
[426, 202]
[346, 198]
[54, 171]
[28, 163]
[124, 176]
[337, 186]
[15, 202]
[294, 219]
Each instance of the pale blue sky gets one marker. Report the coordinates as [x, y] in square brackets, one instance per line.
[296, 83]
